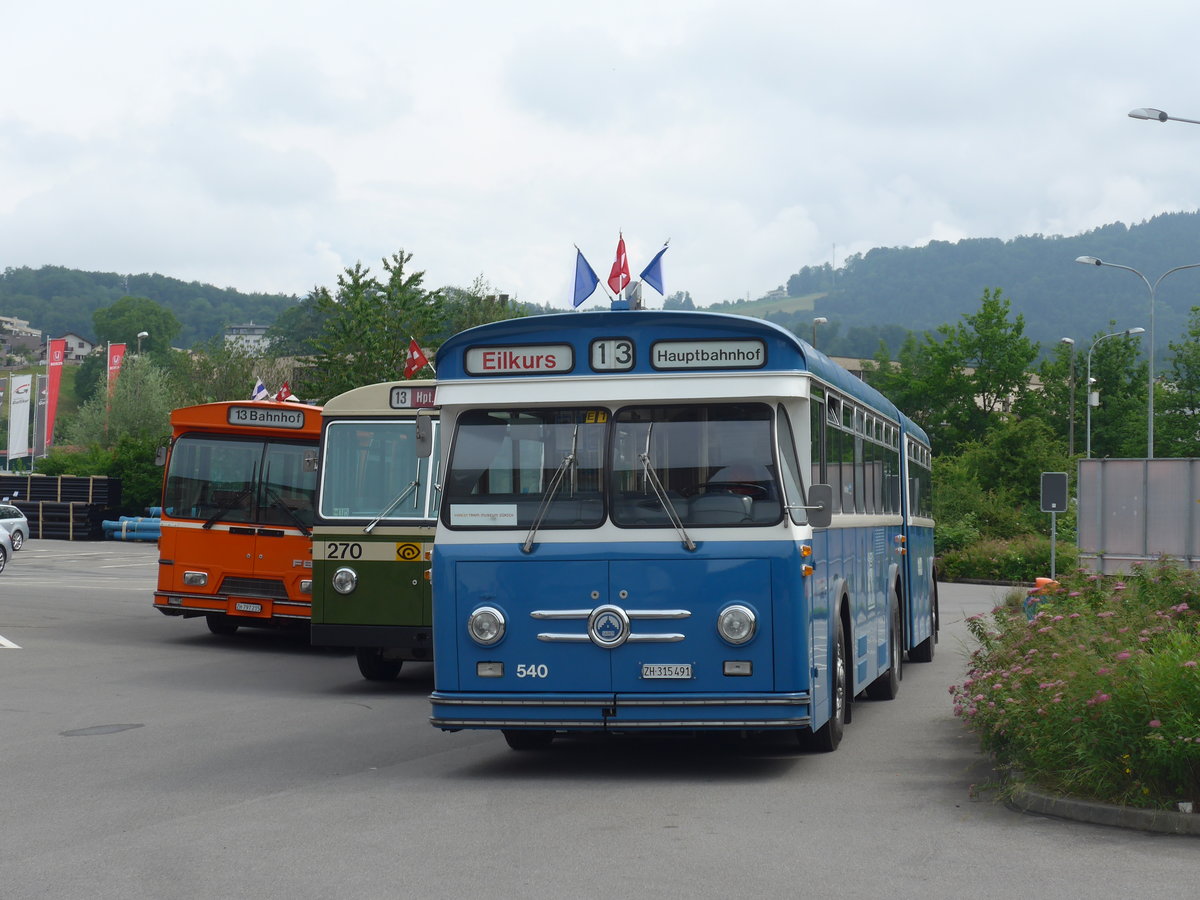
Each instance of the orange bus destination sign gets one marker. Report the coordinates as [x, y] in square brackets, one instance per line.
[266, 417]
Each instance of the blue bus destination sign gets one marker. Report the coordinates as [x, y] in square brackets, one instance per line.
[715, 354]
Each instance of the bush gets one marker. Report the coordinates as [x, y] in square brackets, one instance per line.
[1020, 559]
[1094, 691]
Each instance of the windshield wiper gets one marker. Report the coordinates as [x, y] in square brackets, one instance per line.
[661, 493]
[412, 486]
[555, 484]
[279, 503]
[231, 505]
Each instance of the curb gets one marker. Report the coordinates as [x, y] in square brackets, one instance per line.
[1030, 800]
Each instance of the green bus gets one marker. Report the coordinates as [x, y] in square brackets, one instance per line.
[372, 536]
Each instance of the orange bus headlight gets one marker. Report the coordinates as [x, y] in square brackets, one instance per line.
[195, 579]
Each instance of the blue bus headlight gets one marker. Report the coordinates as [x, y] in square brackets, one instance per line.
[737, 624]
[345, 580]
[486, 625]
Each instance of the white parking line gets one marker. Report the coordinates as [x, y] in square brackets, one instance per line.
[7, 644]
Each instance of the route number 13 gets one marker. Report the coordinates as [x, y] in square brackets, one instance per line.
[612, 355]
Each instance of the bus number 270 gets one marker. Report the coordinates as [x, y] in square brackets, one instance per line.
[343, 550]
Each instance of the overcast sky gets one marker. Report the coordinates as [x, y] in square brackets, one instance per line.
[267, 145]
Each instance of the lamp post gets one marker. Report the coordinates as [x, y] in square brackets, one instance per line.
[1070, 342]
[1147, 112]
[140, 335]
[1090, 404]
[1093, 261]
[819, 320]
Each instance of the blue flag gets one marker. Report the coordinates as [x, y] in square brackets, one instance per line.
[652, 274]
[585, 278]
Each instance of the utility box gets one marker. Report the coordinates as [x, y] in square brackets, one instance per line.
[1136, 510]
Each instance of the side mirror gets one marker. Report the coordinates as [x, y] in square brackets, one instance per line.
[160, 456]
[820, 505]
[425, 432]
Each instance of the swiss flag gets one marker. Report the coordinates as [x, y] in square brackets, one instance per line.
[416, 360]
[284, 393]
[619, 276]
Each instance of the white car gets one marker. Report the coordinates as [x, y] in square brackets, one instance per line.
[14, 522]
[6, 548]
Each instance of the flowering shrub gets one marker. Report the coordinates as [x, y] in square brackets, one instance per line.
[1094, 690]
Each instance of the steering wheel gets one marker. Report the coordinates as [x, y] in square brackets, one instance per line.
[739, 488]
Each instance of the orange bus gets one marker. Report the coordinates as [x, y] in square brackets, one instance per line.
[237, 513]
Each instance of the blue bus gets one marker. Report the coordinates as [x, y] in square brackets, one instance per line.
[671, 521]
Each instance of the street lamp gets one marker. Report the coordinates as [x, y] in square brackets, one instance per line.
[1146, 112]
[1070, 342]
[819, 320]
[140, 335]
[1095, 395]
[1093, 261]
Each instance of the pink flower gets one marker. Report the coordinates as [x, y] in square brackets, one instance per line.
[1190, 664]
[1154, 723]
[1124, 654]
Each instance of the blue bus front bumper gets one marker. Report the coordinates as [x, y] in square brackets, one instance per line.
[453, 711]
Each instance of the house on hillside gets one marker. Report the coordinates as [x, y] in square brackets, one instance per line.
[249, 337]
[15, 327]
[77, 348]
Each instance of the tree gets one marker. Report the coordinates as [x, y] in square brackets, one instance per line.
[122, 322]
[139, 408]
[368, 326]
[294, 329]
[1177, 403]
[222, 370]
[464, 308]
[956, 383]
[1119, 422]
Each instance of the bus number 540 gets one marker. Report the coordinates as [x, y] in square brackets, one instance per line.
[540, 671]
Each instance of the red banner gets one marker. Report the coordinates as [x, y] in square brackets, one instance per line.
[56, 350]
[116, 355]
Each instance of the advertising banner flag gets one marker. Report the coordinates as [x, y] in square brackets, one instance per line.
[116, 355]
[39, 418]
[56, 352]
[21, 386]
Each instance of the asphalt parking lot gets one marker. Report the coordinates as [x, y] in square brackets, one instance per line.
[145, 757]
